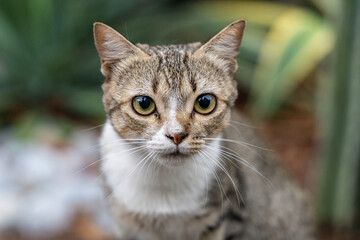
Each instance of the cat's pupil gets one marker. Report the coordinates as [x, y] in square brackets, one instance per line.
[144, 102]
[204, 101]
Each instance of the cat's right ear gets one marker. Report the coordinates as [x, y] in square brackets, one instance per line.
[113, 47]
[225, 45]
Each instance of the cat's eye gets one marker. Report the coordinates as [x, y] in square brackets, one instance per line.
[205, 104]
[143, 105]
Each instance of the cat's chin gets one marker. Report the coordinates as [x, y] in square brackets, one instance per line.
[173, 159]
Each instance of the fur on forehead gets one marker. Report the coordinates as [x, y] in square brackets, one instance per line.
[174, 74]
[222, 48]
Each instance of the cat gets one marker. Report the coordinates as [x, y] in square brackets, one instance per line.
[178, 162]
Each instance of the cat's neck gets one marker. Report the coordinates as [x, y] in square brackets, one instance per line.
[149, 188]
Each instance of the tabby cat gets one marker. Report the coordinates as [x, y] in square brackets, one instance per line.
[178, 161]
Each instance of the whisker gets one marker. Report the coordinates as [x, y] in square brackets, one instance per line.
[218, 163]
[140, 163]
[221, 187]
[198, 158]
[157, 165]
[237, 192]
[120, 141]
[113, 154]
[99, 145]
[150, 162]
[196, 168]
[91, 128]
[131, 172]
[132, 139]
[137, 150]
[238, 142]
[241, 160]
[235, 128]
[247, 147]
[244, 124]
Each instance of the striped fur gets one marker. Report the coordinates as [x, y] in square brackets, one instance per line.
[201, 188]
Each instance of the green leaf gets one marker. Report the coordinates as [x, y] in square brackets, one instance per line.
[338, 182]
[295, 44]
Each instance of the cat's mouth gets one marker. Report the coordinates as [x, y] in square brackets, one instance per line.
[176, 153]
[177, 157]
[172, 159]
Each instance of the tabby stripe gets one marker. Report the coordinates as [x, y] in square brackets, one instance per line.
[154, 84]
[162, 70]
[214, 122]
[212, 228]
[155, 80]
[190, 77]
[233, 236]
[135, 124]
[166, 78]
[181, 78]
[165, 73]
[115, 108]
[234, 217]
[230, 216]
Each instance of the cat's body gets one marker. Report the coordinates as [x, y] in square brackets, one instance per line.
[176, 163]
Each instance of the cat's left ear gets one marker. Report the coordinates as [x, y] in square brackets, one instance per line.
[225, 45]
[113, 47]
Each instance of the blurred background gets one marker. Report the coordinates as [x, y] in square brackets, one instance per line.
[299, 80]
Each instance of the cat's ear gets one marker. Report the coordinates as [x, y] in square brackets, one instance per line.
[113, 47]
[225, 45]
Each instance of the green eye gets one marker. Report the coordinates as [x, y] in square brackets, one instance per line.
[143, 105]
[205, 104]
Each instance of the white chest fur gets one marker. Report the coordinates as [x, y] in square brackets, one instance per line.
[150, 188]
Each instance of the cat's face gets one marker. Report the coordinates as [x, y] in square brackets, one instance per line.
[173, 96]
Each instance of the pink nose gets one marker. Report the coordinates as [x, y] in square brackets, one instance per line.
[177, 138]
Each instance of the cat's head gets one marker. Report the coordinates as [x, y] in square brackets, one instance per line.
[172, 96]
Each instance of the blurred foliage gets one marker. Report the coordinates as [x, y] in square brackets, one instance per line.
[48, 60]
[296, 43]
[48, 63]
[47, 56]
[338, 191]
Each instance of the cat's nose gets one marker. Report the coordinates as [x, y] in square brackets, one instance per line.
[177, 137]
